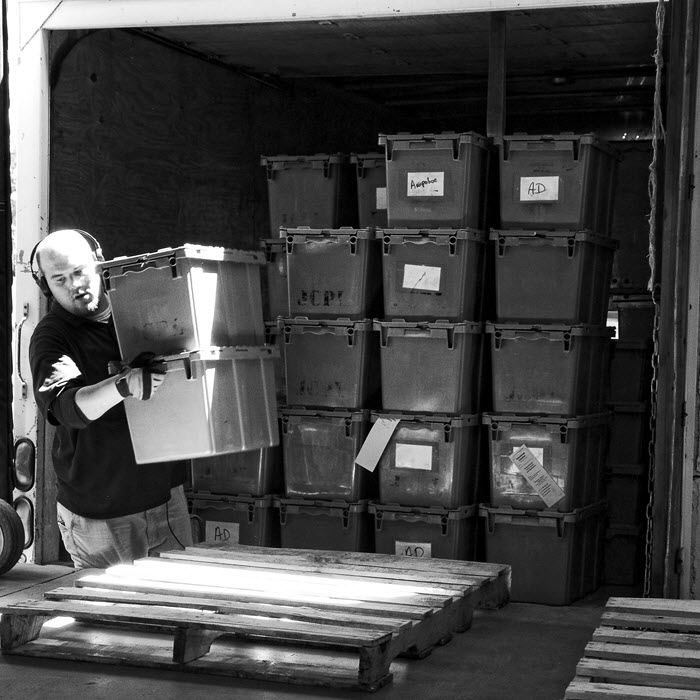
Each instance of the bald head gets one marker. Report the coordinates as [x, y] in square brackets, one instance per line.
[67, 261]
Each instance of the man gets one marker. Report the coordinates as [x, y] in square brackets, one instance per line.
[110, 510]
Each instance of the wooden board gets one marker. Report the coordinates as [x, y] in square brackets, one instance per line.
[199, 606]
[644, 648]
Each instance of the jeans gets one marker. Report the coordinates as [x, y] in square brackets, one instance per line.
[101, 543]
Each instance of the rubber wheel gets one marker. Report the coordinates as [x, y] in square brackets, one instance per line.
[11, 537]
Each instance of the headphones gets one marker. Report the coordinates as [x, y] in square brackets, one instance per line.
[39, 277]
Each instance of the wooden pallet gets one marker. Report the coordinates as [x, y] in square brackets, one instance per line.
[644, 648]
[330, 618]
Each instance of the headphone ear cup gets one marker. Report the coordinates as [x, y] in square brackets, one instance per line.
[43, 285]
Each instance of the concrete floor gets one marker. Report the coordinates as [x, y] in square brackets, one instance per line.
[521, 652]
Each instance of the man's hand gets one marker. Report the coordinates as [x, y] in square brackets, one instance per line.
[143, 382]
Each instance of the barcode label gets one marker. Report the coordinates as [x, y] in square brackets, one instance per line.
[537, 476]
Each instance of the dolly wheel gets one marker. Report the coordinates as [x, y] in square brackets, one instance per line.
[11, 537]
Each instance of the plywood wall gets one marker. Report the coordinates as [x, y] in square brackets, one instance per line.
[152, 148]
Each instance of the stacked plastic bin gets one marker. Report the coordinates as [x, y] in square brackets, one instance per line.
[549, 362]
[627, 460]
[332, 380]
[199, 308]
[430, 345]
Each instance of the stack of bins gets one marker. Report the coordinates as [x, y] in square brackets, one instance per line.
[627, 460]
[549, 355]
[431, 345]
[332, 380]
[200, 309]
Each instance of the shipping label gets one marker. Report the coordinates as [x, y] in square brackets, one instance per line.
[381, 197]
[375, 443]
[539, 189]
[221, 532]
[422, 278]
[411, 456]
[537, 476]
[414, 549]
[425, 185]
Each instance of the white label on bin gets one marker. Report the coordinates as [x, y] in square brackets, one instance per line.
[414, 456]
[375, 443]
[414, 549]
[539, 189]
[221, 532]
[381, 197]
[425, 185]
[538, 477]
[421, 277]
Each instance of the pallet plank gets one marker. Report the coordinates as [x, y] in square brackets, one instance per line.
[657, 639]
[402, 575]
[639, 674]
[233, 624]
[643, 654]
[385, 587]
[649, 622]
[689, 609]
[418, 611]
[583, 690]
[359, 618]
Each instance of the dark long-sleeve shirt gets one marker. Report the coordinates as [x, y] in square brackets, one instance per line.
[94, 460]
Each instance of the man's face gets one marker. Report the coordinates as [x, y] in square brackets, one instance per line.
[74, 280]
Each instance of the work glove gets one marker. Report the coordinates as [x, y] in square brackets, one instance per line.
[143, 376]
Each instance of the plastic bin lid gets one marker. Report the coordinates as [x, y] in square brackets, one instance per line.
[369, 160]
[318, 233]
[456, 326]
[340, 413]
[462, 137]
[514, 237]
[397, 235]
[458, 421]
[225, 354]
[450, 513]
[559, 422]
[244, 501]
[511, 330]
[295, 503]
[588, 139]
[505, 513]
[188, 250]
[283, 159]
[336, 323]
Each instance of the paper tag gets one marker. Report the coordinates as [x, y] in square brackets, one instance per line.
[381, 197]
[538, 477]
[375, 443]
[421, 277]
[414, 456]
[539, 189]
[422, 550]
[425, 184]
[221, 532]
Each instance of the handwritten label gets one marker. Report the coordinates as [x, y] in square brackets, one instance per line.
[538, 477]
[414, 456]
[381, 197]
[421, 278]
[320, 297]
[221, 532]
[425, 185]
[422, 550]
[539, 189]
[375, 443]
